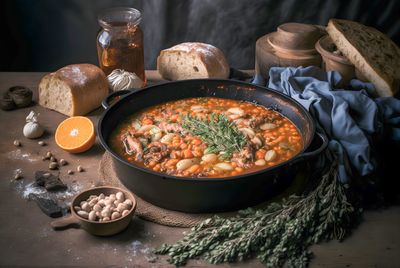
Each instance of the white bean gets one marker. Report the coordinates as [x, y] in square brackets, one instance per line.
[198, 108]
[101, 196]
[236, 110]
[234, 116]
[209, 158]
[92, 215]
[106, 218]
[83, 214]
[257, 141]
[223, 166]
[156, 134]
[121, 207]
[77, 208]
[147, 128]
[186, 163]
[167, 138]
[128, 202]
[120, 196]
[86, 207]
[93, 202]
[266, 126]
[260, 162]
[108, 202]
[125, 212]
[106, 212]
[115, 215]
[97, 207]
[270, 155]
[248, 132]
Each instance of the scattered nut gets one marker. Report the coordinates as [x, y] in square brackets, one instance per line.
[120, 196]
[53, 159]
[92, 215]
[46, 175]
[102, 208]
[63, 162]
[17, 176]
[125, 212]
[80, 169]
[17, 143]
[97, 207]
[53, 165]
[83, 214]
[70, 172]
[115, 215]
[128, 202]
[41, 143]
[86, 207]
[48, 155]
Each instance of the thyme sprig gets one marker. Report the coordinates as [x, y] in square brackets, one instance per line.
[221, 135]
[279, 234]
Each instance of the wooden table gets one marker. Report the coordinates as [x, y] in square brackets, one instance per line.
[26, 238]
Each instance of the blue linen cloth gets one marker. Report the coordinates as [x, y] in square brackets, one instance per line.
[348, 117]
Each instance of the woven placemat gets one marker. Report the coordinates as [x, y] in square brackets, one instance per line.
[153, 213]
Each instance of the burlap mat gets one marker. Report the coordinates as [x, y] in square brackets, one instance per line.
[152, 213]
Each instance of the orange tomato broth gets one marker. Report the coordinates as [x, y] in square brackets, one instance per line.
[284, 139]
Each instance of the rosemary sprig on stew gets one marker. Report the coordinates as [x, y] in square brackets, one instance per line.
[221, 135]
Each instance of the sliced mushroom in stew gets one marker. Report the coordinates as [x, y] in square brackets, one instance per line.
[206, 137]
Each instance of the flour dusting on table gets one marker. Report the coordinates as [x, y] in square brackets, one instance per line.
[19, 155]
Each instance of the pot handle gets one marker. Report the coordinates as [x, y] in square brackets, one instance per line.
[65, 223]
[107, 102]
[322, 147]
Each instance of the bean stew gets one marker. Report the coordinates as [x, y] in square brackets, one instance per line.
[206, 137]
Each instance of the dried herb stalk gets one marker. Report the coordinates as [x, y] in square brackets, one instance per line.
[279, 234]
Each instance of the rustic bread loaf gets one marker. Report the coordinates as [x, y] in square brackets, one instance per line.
[73, 90]
[192, 60]
[372, 52]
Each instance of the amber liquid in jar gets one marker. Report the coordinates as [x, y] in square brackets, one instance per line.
[120, 46]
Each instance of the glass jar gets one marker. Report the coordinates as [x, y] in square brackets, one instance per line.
[120, 41]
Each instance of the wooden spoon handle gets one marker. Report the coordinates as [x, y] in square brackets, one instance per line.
[65, 223]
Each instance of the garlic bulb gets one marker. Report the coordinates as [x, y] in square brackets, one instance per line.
[32, 128]
[120, 79]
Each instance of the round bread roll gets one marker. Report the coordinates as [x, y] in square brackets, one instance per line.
[73, 90]
[192, 60]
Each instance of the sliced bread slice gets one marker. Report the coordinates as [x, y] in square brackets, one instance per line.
[372, 52]
[192, 60]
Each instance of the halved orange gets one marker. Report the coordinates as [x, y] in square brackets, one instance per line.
[75, 134]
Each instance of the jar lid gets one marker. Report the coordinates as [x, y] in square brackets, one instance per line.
[119, 16]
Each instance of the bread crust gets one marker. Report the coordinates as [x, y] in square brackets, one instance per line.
[87, 84]
[371, 52]
[212, 57]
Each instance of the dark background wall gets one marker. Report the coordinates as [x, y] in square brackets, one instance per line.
[44, 35]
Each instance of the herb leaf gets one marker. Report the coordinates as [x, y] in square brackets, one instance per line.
[221, 135]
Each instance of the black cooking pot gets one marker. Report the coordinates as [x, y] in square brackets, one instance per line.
[208, 194]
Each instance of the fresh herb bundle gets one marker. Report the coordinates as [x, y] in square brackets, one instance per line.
[221, 135]
[279, 234]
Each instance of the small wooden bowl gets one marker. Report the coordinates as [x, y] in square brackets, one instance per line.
[335, 61]
[94, 227]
